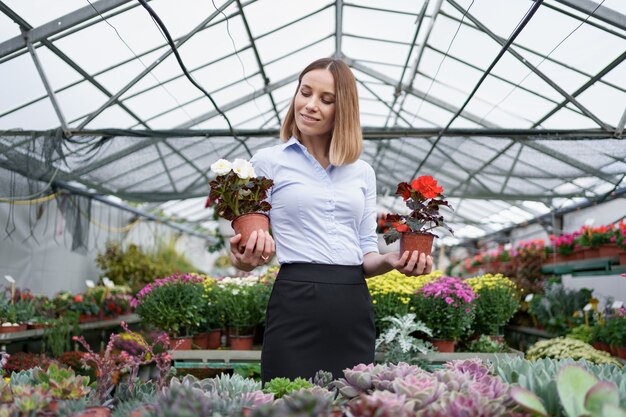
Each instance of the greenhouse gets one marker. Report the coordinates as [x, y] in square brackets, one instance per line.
[136, 138]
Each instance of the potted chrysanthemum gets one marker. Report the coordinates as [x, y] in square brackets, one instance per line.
[239, 196]
[423, 196]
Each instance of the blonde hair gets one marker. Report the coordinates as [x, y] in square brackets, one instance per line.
[346, 141]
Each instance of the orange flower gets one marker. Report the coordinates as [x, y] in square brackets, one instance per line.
[400, 227]
[426, 186]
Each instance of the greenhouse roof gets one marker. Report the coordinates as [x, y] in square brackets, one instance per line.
[517, 108]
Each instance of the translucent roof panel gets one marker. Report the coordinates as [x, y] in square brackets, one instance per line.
[509, 134]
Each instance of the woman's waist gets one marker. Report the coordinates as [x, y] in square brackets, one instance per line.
[322, 273]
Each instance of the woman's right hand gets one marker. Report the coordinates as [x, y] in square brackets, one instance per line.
[258, 251]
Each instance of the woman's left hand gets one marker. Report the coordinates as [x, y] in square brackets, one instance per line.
[411, 264]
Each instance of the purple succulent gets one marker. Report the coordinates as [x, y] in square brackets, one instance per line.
[420, 390]
[256, 398]
[383, 380]
[380, 404]
[457, 404]
[474, 367]
[357, 380]
[493, 388]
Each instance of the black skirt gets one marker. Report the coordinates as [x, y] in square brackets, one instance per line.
[319, 317]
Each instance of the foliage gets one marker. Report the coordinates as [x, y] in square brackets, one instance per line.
[446, 306]
[135, 267]
[556, 310]
[485, 344]
[57, 336]
[392, 293]
[614, 331]
[23, 361]
[242, 302]
[497, 301]
[174, 304]
[282, 386]
[398, 343]
[237, 190]
[563, 347]
[583, 333]
[62, 383]
[580, 393]
[423, 196]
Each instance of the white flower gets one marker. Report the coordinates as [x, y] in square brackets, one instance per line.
[243, 169]
[235, 291]
[244, 193]
[221, 167]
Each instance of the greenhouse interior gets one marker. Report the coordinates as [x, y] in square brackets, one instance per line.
[137, 136]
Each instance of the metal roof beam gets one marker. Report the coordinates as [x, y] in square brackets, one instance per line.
[584, 87]
[419, 94]
[338, 28]
[602, 13]
[239, 102]
[55, 26]
[533, 68]
[150, 67]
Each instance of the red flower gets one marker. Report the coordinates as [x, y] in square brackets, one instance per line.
[426, 186]
[400, 227]
[78, 298]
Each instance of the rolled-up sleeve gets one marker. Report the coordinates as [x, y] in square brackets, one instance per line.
[367, 230]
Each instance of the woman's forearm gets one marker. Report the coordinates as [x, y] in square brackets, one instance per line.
[376, 264]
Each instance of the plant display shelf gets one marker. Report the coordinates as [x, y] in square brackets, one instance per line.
[7, 338]
[237, 356]
[599, 265]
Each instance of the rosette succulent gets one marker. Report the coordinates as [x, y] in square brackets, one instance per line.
[380, 404]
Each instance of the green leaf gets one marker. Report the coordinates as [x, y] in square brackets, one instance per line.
[573, 382]
[601, 394]
[610, 410]
[528, 401]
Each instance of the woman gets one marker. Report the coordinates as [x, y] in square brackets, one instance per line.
[323, 217]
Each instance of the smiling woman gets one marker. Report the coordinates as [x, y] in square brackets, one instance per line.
[323, 216]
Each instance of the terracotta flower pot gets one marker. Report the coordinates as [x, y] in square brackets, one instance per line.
[201, 340]
[609, 250]
[241, 342]
[214, 339]
[622, 257]
[443, 346]
[182, 343]
[248, 223]
[499, 338]
[10, 329]
[621, 352]
[592, 253]
[601, 346]
[421, 242]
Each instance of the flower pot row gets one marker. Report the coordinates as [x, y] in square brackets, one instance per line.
[617, 351]
[236, 339]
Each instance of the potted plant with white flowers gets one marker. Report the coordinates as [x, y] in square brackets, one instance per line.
[239, 196]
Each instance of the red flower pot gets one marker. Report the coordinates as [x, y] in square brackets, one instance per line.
[609, 250]
[421, 242]
[182, 343]
[601, 346]
[621, 352]
[241, 342]
[248, 223]
[592, 253]
[94, 412]
[443, 346]
[622, 258]
[214, 339]
[201, 340]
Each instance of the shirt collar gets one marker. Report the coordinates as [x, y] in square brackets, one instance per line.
[292, 141]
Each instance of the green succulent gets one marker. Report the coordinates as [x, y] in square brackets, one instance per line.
[282, 386]
[540, 377]
[580, 394]
[30, 399]
[63, 382]
[312, 402]
[26, 377]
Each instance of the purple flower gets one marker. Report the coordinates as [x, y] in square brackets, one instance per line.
[449, 300]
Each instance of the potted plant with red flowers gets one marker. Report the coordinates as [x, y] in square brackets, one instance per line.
[424, 197]
[239, 196]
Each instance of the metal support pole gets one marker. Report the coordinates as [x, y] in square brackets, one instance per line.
[46, 84]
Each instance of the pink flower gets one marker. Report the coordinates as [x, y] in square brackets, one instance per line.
[449, 300]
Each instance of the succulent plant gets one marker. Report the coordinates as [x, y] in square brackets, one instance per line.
[380, 404]
[6, 411]
[24, 377]
[580, 394]
[419, 390]
[540, 377]
[63, 382]
[358, 380]
[314, 402]
[323, 378]
[141, 391]
[29, 399]
[256, 398]
[475, 367]
[182, 401]
[282, 386]
[461, 404]
[385, 374]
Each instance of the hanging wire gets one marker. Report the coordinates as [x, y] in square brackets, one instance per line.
[520, 26]
[445, 55]
[243, 68]
[497, 105]
[167, 35]
[179, 106]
